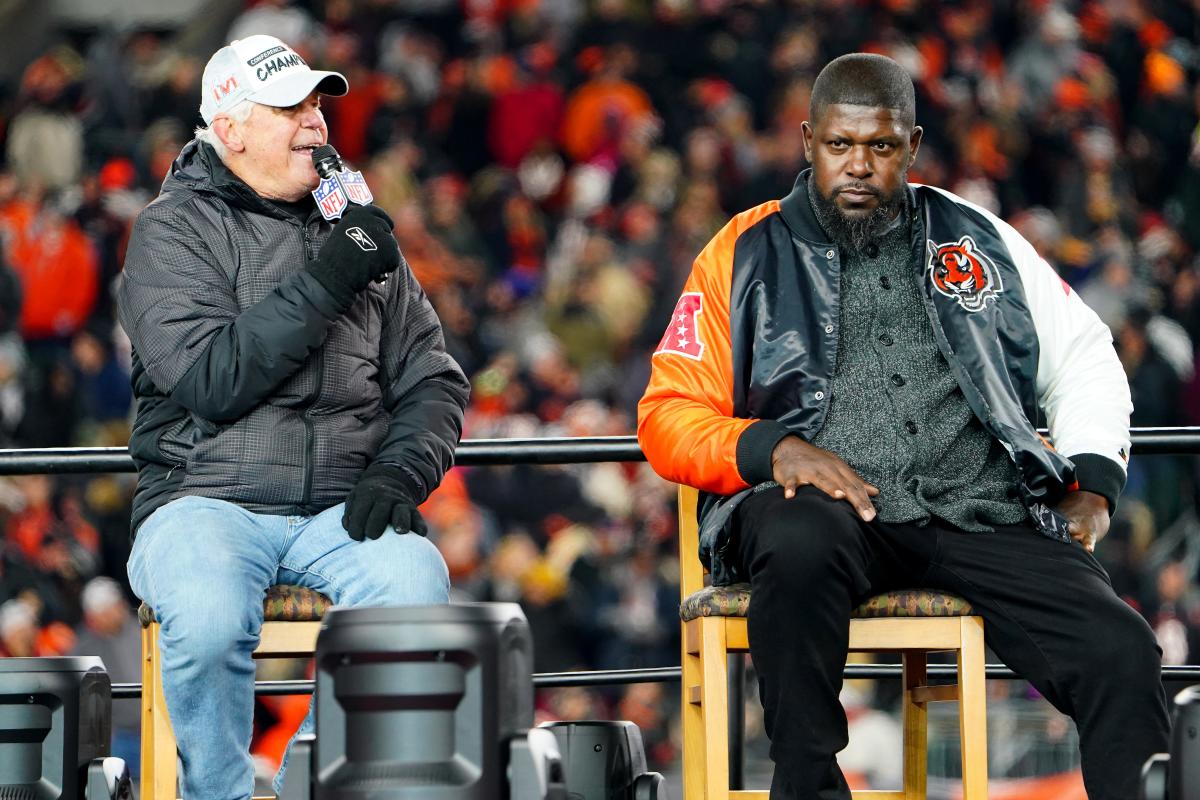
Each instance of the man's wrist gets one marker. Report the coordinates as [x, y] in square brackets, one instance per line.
[755, 447]
[342, 292]
[1099, 475]
[1099, 500]
[398, 476]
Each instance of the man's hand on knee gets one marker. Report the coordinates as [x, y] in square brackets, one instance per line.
[383, 496]
[797, 463]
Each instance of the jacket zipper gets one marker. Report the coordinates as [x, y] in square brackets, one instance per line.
[308, 461]
[309, 437]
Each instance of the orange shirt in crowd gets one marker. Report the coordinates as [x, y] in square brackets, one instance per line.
[596, 113]
[58, 268]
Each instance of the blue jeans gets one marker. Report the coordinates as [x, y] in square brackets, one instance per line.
[204, 566]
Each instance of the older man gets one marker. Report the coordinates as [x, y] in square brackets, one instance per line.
[852, 376]
[295, 402]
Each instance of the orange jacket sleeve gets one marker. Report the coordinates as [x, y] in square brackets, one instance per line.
[686, 425]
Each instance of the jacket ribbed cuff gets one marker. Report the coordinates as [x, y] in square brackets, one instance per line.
[1101, 475]
[400, 476]
[754, 449]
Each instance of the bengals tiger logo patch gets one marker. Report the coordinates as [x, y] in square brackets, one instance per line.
[964, 273]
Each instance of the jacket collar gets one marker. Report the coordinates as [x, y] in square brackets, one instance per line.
[798, 214]
[199, 168]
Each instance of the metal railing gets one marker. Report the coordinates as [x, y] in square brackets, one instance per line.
[615, 677]
[490, 452]
[581, 450]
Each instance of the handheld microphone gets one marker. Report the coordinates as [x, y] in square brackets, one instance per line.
[326, 161]
[339, 186]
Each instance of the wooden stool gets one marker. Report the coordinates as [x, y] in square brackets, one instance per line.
[291, 619]
[912, 623]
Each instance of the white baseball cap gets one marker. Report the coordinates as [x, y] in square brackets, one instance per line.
[262, 69]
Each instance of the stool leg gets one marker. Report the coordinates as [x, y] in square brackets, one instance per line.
[692, 713]
[916, 726]
[149, 662]
[158, 740]
[705, 710]
[972, 709]
[714, 704]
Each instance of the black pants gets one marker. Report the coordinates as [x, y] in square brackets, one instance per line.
[1049, 613]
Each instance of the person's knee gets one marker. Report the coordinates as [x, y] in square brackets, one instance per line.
[1123, 653]
[208, 631]
[802, 536]
[400, 569]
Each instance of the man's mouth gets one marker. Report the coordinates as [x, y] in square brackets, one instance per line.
[304, 148]
[857, 194]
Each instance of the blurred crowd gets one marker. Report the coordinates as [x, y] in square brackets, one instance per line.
[553, 167]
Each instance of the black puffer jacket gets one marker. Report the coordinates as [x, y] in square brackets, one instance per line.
[252, 384]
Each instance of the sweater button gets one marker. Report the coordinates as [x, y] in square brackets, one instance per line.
[829, 329]
[886, 340]
[872, 250]
[819, 395]
[898, 380]
[911, 427]
[884, 282]
[829, 254]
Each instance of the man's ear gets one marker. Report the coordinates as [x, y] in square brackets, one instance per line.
[230, 134]
[914, 143]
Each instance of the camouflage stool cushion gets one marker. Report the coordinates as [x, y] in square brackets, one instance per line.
[733, 600]
[716, 601]
[282, 603]
[915, 603]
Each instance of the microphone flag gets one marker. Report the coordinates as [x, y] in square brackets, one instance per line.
[331, 198]
[355, 186]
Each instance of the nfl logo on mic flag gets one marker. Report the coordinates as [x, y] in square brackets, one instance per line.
[331, 198]
[356, 187]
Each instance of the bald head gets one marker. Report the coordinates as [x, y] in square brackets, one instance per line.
[864, 79]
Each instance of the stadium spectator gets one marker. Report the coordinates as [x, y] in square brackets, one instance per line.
[110, 630]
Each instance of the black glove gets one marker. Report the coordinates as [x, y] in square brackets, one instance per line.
[360, 249]
[383, 496]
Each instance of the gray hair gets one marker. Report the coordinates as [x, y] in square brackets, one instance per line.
[239, 112]
[101, 593]
[16, 614]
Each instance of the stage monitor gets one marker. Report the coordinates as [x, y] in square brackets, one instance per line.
[55, 718]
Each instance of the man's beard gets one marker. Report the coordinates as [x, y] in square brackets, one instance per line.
[857, 231]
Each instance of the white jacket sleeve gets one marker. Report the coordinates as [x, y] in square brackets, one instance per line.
[1081, 384]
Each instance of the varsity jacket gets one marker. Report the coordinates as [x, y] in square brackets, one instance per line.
[751, 348]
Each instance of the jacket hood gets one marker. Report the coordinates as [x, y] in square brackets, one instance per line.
[198, 168]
